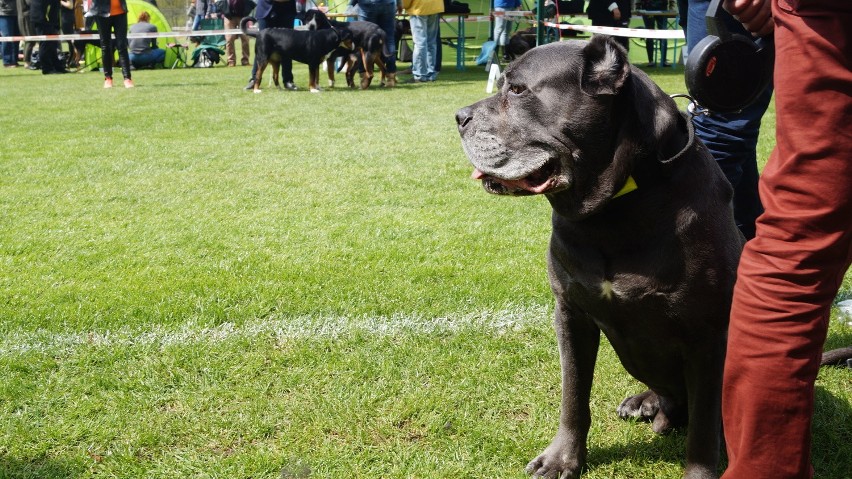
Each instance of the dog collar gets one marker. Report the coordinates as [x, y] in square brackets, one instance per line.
[629, 186]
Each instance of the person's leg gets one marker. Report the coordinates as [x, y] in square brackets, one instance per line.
[499, 31]
[230, 51]
[432, 45]
[664, 44]
[790, 272]
[419, 65]
[649, 42]
[9, 49]
[387, 22]
[107, 52]
[732, 137]
[119, 26]
[158, 56]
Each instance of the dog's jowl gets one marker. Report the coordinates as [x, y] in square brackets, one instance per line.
[644, 247]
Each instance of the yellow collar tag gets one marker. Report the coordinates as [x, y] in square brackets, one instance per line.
[629, 186]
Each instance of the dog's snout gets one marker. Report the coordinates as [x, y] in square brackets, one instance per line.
[463, 117]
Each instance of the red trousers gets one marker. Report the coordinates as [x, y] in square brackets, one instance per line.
[790, 272]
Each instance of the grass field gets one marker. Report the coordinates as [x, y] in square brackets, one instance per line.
[197, 281]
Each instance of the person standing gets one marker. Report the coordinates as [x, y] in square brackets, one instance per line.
[731, 137]
[276, 14]
[503, 26]
[234, 11]
[790, 273]
[144, 51]
[9, 28]
[111, 16]
[611, 13]
[383, 13]
[425, 21]
[660, 23]
[44, 15]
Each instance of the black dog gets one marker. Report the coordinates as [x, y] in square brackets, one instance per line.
[644, 247]
[370, 47]
[305, 46]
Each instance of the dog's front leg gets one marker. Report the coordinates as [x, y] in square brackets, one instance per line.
[704, 434]
[313, 78]
[578, 339]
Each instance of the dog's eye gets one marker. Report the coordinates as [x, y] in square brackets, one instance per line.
[516, 89]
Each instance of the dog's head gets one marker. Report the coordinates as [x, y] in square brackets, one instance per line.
[315, 20]
[571, 120]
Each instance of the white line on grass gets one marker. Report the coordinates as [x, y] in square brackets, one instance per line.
[275, 327]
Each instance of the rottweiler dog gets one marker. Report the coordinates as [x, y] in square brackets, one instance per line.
[370, 48]
[643, 248]
[306, 46]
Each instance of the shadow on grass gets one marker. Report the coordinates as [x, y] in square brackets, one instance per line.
[831, 450]
[40, 468]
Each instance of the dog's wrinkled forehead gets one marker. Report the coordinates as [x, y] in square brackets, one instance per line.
[544, 63]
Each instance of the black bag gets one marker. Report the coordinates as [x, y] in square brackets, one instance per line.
[571, 6]
[452, 6]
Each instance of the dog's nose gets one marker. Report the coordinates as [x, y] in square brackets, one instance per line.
[463, 117]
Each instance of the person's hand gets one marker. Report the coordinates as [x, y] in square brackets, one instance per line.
[755, 15]
[616, 14]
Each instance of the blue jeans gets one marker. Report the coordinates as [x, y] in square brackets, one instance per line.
[502, 27]
[155, 56]
[424, 33]
[9, 28]
[383, 15]
[732, 138]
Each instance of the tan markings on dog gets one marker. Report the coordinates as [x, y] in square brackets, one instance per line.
[606, 290]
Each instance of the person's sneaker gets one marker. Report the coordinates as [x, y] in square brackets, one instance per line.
[108, 83]
[290, 86]
[250, 85]
[128, 83]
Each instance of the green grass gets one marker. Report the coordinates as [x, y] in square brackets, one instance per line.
[196, 281]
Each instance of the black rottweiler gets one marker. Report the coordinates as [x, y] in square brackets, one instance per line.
[370, 47]
[305, 46]
[644, 247]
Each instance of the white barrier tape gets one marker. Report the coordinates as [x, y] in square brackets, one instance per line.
[621, 32]
[95, 36]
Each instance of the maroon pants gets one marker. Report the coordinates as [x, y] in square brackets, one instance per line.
[790, 272]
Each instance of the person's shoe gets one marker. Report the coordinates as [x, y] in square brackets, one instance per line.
[290, 86]
[245, 64]
[128, 83]
[666, 64]
[651, 65]
[232, 64]
[108, 83]
[413, 80]
[250, 85]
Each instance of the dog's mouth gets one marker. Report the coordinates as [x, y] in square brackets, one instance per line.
[543, 180]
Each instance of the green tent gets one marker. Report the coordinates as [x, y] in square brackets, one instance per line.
[135, 7]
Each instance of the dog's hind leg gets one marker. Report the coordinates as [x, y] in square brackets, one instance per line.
[313, 78]
[261, 66]
[275, 69]
[329, 65]
[367, 76]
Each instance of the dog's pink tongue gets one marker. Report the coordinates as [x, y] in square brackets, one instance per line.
[477, 175]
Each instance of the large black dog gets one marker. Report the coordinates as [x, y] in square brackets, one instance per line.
[370, 46]
[305, 46]
[644, 247]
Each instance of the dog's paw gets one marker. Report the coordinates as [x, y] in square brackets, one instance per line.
[641, 406]
[559, 461]
[258, 90]
[553, 466]
[315, 90]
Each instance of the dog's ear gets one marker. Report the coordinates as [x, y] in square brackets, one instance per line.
[605, 66]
